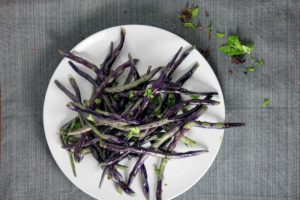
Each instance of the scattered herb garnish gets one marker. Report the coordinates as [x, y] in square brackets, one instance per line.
[188, 15]
[148, 93]
[171, 100]
[189, 25]
[75, 125]
[259, 62]
[234, 47]
[98, 101]
[91, 118]
[266, 102]
[238, 51]
[220, 35]
[249, 70]
[133, 132]
[131, 94]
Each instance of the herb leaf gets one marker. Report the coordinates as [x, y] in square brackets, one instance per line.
[131, 94]
[195, 12]
[220, 35]
[91, 118]
[189, 13]
[171, 100]
[234, 47]
[148, 93]
[250, 69]
[134, 131]
[260, 62]
[189, 25]
[266, 102]
[98, 101]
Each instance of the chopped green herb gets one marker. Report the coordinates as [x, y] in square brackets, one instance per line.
[234, 47]
[170, 100]
[131, 94]
[195, 12]
[98, 101]
[266, 102]
[91, 118]
[194, 96]
[133, 132]
[256, 61]
[189, 25]
[250, 69]
[220, 35]
[187, 141]
[260, 62]
[238, 50]
[148, 93]
[188, 13]
[75, 125]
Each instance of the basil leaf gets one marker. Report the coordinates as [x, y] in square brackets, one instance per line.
[195, 12]
[266, 102]
[250, 69]
[220, 35]
[189, 25]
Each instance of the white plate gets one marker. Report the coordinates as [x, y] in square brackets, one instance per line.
[153, 46]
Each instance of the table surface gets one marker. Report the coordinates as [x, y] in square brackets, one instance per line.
[260, 161]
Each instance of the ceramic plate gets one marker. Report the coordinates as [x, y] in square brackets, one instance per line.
[152, 46]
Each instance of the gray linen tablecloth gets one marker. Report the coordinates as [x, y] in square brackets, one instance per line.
[260, 161]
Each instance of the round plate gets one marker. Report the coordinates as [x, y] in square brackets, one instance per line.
[155, 47]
